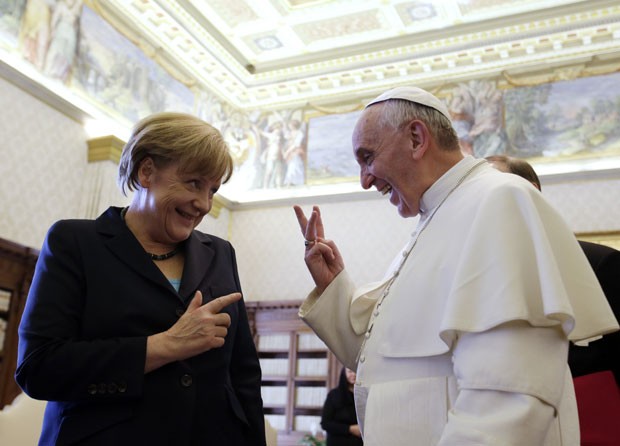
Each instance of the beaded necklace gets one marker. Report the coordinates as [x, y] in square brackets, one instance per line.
[155, 257]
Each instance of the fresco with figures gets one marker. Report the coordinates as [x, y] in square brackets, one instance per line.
[555, 121]
[71, 44]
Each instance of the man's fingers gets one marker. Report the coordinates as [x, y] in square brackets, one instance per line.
[310, 233]
[320, 231]
[301, 219]
[218, 304]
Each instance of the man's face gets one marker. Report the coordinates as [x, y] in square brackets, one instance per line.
[385, 157]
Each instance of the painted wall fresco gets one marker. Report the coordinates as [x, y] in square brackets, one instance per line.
[330, 155]
[67, 41]
[71, 44]
[577, 118]
[559, 121]
[114, 72]
[550, 122]
[269, 149]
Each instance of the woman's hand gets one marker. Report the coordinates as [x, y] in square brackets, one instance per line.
[354, 429]
[322, 256]
[200, 329]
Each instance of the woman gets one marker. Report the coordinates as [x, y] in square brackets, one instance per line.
[339, 419]
[134, 329]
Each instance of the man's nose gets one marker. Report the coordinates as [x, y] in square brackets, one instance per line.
[366, 178]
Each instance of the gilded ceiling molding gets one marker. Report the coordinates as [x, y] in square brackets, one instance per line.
[568, 73]
[178, 41]
[336, 109]
[109, 148]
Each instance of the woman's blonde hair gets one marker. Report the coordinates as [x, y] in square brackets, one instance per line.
[170, 137]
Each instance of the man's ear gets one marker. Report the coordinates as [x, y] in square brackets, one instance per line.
[146, 169]
[420, 138]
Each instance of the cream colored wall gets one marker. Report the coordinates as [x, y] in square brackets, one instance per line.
[44, 176]
[42, 164]
[588, 205]
[270, 245]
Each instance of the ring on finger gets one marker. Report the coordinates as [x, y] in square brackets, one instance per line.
[309, 242]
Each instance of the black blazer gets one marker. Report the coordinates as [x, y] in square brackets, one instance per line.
[95, 297]
[603, 354]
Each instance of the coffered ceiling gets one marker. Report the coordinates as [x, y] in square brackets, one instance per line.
[279, 53]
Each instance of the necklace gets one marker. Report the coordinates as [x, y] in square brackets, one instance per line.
[416, 235]
[155, 257]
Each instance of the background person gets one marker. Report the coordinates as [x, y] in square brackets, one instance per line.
[134, 329]
[594, 365]
[464, 340]
[338, 418]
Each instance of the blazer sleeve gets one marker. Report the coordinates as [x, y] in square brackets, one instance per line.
[54, 361]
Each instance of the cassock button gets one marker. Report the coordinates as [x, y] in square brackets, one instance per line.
[186, 380]
[122, 387]
[92, 389]
[362, 358]
[112, 388]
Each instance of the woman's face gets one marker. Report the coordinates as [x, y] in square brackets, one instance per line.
[350, 376]
[174, 202]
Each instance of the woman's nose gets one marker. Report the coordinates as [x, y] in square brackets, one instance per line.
[203, 202]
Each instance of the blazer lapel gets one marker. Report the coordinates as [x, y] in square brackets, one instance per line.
[124, 245]
[198, 258]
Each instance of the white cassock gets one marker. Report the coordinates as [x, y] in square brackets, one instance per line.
[469, 345]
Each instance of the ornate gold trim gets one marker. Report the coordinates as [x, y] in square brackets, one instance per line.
[565, 73]
[609, 238]
[105, 148]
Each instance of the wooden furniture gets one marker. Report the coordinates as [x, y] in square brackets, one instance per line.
[16, 269]
[298, 369]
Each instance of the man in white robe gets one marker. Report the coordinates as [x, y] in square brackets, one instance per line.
[464, 341]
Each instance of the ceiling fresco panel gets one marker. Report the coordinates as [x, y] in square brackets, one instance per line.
[416, 13]
[357, 25]
[231, 12]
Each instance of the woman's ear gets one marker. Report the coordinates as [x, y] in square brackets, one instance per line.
[146, 170]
